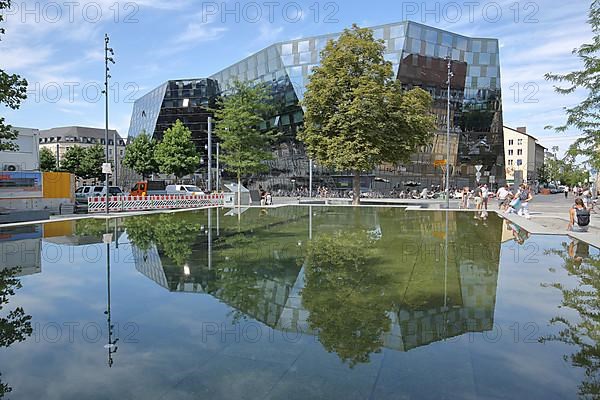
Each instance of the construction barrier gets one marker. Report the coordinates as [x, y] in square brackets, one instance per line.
[144, 203]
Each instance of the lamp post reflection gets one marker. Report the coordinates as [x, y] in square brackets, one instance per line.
[111, 346]
[210, 237]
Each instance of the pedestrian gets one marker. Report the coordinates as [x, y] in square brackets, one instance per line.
[269, 199]
[566, 190]
[464, 200]
[477, 194]
[525, 196]
[485, 193]
[579, 217]
[502, 194]
[586, 196]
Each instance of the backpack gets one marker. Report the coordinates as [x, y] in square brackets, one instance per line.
[524, 195]
[583, 217]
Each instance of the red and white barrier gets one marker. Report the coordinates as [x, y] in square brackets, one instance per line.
[143, 203]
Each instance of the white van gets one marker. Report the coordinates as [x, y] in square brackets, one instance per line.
[188, 190]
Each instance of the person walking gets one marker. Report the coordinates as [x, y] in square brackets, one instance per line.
[477, 194]
[525, 196]
[502, 194]
[566, 190]
[485, 193]
[464, 201]
[579, 217]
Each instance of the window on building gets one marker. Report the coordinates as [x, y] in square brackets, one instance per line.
[520, 142]
[510, 152]
[511, 142]
[519, 152]
[510, 162]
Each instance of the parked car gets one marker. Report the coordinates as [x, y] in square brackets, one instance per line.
[189, 190]
[112, 191]
[148, 188]
[84, 192]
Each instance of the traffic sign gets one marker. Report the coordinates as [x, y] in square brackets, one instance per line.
[478, 175]
[492, 179]
[479, 168]
[106, 168]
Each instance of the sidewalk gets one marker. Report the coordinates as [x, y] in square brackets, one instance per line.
[550, 215]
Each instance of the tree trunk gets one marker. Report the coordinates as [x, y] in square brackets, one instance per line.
[356, 188]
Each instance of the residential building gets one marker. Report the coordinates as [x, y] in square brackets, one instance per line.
[418, 55]
[59, 140]
[524, 156]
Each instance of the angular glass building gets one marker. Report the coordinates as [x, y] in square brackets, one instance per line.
[418, 54]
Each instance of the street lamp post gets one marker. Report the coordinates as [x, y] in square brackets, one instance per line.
[218, 170]
[450, 75]
[209, 154]
[107, 76]
[310, 178]
[116, 171]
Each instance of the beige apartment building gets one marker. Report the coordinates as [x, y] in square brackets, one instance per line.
[523, 154]
[58, 140]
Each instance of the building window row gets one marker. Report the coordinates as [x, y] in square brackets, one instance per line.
[79, 140]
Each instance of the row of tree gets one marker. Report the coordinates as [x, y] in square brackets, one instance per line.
[83, 162]
[563, 171]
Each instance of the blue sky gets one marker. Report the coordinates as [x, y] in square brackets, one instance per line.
[58, 47]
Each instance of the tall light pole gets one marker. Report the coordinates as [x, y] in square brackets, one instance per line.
[107, 76]
[310, 177]
[116, 171]
[218, 170]
[209, 155]
[450, 75]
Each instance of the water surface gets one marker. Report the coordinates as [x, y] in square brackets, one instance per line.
[297, 302]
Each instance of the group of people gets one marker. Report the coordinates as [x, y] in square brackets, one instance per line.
[266, 198]
[517, 201]
[480, 197]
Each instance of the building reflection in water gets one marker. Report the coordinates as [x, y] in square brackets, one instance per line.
[438, 271]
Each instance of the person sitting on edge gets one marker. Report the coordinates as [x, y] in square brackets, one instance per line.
[579, 217]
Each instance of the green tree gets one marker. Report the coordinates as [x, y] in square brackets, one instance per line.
[85, 163]
[73, 161]
[93, 159]
[13, 90]
[177, 154]
[357, 115]
[47, 160]
[139, 155]
[586, 115]
[245, 146]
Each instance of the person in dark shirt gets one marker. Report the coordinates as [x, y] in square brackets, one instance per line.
[579, 217]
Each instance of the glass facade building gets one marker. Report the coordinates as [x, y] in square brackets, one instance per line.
[418, 54]
[187, 100]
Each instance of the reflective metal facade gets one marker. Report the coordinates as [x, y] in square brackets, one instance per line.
[417, 53]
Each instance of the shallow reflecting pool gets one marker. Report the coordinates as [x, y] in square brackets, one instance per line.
[297, 303]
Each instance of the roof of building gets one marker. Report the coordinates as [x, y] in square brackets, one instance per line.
[77, 131]
[524, 133]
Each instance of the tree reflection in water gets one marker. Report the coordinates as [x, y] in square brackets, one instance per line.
[16, 325]
[173, 234]
[346, 295]
[585, 300]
